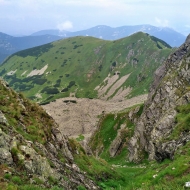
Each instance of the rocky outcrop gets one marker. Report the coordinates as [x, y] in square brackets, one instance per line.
[169, 90]
[118, 141]
[3, 120]
[48, 156]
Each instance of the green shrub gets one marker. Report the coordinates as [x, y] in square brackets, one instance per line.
[14, 151]
[38, 181]
[7, 176]
[50, 90]
[52, 180]
[17, 180]
[80, 138]
[81, 187]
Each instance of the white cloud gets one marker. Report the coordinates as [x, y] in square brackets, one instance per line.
[67, 25]
[162, 23]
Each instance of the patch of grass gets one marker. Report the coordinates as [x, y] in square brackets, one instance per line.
[182, 121]
[52, 180]
[97, 169]
[33, 133]
[80, 187]
[7, 176]
[80, 138]
[17, 180]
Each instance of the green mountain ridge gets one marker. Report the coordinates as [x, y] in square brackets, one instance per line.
[78, 65]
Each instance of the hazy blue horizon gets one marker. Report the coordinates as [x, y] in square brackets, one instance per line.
[24, 17]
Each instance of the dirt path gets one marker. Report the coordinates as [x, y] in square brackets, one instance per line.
[82, 117]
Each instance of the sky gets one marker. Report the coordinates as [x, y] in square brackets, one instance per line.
[24, 17]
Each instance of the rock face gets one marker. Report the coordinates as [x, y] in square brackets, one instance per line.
[117, 142]
[48, 156]
[169, 89]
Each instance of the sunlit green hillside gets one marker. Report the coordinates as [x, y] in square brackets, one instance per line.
[79, 64]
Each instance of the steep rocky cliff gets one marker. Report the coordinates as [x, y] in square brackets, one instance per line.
[170, 89]
[32, 149]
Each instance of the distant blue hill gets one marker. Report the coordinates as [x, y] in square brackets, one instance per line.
[170, 36]
[10, 44]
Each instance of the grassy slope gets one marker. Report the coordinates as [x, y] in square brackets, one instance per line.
[38, 129]
[79, 64]
[147, 175]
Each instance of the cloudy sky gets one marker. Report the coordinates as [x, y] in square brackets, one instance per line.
[23, 17]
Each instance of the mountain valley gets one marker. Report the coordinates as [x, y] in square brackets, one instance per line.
[117, 115]
[104, 72]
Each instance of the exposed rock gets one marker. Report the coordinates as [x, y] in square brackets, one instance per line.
[86, 147]
[134, 62]
[118, 142]
[115, 145]
[130, 54]
[50, 159]
[3, 119]
[158, 118]
[5, 156]
[133, 112]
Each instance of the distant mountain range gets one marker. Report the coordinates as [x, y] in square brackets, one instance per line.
[10, 44]
[170, 36]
